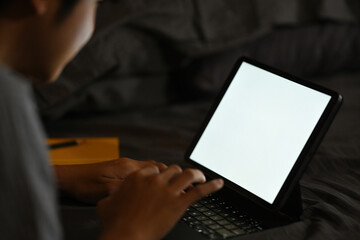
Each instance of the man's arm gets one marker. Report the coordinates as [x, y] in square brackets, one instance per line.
[92, 182]
[28, 202]
[149, 202]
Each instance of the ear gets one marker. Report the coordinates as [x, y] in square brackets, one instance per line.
[40, 6]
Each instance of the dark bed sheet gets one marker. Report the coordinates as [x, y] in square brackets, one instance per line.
[330, 187]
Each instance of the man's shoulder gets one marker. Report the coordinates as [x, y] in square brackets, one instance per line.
[13, 87]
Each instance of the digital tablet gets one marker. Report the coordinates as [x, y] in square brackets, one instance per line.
[262, 131]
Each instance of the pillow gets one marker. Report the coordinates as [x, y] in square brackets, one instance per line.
[312, 50]
[143, 40]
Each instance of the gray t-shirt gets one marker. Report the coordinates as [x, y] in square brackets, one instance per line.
[28, 207]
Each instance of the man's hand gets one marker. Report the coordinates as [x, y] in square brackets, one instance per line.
[91, 182]
[150, 202]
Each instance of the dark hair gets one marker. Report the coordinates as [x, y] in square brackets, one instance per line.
[65, 8]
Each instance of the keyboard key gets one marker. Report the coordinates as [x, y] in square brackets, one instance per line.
[215, 226]
[204, 201]
[208, 231]
[230, 226]
[212, 206]
[216, 218]
[208, 222]
[259, 228]
[196, 205]
[240, 223]
[187, 218]
[225, 233]
[252, 230]
[246, 227]
[209, 213]
[194, 213]
[200, 228]
[238, 232]
[201, 218]
[194, 222]
[213, 236]
[224, 214]
[232, 219]
[202, 209]
[223, 222]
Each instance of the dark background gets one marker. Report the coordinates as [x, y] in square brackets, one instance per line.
[152, 68]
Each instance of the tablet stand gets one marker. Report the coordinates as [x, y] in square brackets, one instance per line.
[293, 206]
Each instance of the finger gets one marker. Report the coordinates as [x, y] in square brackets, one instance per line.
[188, 177]
[162, 167]
[171, 172]
[149, 170]
[202, 190]
[148, 162]
[113, 186]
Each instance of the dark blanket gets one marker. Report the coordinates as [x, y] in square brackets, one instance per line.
[330, 187]
[140, 43]
[148, 55]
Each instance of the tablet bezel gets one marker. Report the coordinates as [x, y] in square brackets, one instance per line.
[307, 152]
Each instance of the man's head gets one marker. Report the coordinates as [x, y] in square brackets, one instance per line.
[39, 37]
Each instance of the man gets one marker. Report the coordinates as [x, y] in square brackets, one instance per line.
[139, 200]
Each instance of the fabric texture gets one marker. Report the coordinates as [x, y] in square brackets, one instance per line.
[140, 42]
[307, 51]
[28, 203]
[330, 186]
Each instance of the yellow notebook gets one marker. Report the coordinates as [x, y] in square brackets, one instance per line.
[87, 150]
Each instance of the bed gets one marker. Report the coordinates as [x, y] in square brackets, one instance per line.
[152, 87]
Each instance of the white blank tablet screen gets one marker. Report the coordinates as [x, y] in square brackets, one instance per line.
[259, 129]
